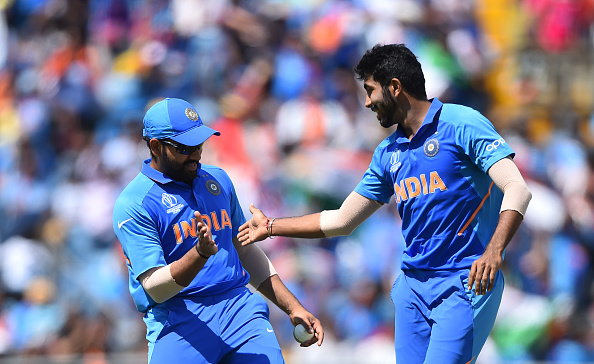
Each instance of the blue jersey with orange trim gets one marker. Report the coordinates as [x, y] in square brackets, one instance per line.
[448, 204]
[154, 221]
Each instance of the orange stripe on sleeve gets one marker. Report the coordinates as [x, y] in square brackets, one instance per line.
[476, 211]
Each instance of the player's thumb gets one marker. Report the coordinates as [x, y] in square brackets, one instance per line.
[252, 208]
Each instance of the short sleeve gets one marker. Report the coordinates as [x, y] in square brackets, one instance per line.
[480, 141]
[138, 235]
[376, 184]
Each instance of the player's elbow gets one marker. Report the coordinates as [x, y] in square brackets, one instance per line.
[516, 197]
[157, 296]
[332, 223]
[257, 264]
[159, 284]
[526, 195]
[343, 230]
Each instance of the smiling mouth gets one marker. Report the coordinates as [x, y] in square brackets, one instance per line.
[375, 110]
[376, 114]
[192, 165]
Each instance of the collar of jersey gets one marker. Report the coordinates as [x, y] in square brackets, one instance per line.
[430, 118]
[153, 174]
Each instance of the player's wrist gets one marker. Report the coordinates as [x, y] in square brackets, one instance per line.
[200, 253]
[269, 223]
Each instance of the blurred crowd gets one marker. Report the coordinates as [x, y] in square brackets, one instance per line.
[275, 78]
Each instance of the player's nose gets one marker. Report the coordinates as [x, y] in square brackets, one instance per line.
[196, 153]
[367, 101]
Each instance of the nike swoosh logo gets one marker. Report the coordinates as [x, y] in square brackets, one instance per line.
[269, 330]
[123, 222]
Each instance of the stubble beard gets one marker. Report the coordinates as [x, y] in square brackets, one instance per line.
[177, 171]
[387, 107]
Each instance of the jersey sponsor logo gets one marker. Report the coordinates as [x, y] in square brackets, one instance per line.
[170, 202]
[215, 222]
[395, 161]
[413, 186]
[431, 147]
[496, 144]
[213, 187]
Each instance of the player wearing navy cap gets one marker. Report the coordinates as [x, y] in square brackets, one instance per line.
[461, 199]
[177, 223]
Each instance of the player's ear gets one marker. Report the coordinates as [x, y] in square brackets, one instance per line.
[155, 147]
[395, 87]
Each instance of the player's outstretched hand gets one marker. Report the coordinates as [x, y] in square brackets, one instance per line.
[254, 229]
[311, 324]
[206, 243]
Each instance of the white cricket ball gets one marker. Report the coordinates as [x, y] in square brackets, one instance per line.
[300, 334]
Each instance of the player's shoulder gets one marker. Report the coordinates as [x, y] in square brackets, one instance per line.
[389, 140]
[459, 114]
[214, 172]
[135, 192]
[385, 144]
[384, 149]
[210, 168]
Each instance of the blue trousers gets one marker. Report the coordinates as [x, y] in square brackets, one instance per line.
[439, 320]
[229, 328]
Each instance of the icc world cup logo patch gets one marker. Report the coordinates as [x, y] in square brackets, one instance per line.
[170, 201]
[431, 147]
[213, 187]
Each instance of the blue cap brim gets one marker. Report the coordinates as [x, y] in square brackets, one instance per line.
[194, 136]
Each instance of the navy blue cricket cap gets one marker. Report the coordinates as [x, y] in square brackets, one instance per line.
[176, 119]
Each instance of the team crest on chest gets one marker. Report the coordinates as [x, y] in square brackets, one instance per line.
[213, 187]
[431, 147]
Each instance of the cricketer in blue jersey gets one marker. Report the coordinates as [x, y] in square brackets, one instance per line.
[461, 199]
[177, 223]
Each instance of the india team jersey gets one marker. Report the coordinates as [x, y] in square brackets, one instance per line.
[154, 221]
[448, 204]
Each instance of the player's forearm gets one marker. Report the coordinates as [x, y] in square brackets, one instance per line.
[255, 261]
[187, 267]
[159, 283]
[164, 282]
[307, 226]
[354, 210]
[275, 290]
[329, 223]
[509, 222]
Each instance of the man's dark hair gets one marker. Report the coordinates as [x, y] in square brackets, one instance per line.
[385, 62]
